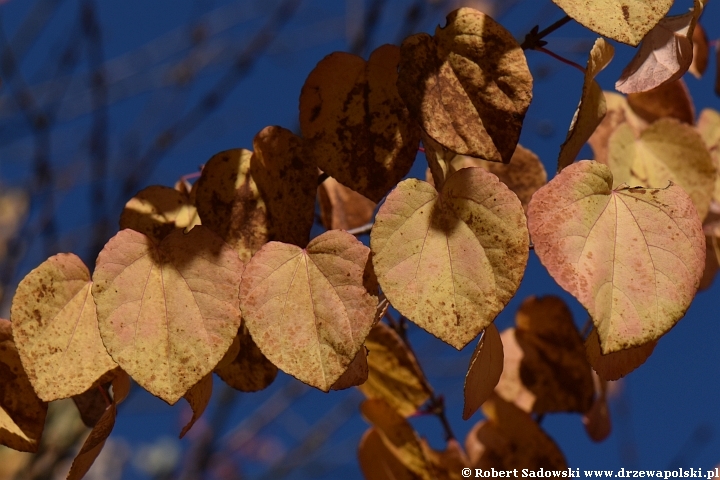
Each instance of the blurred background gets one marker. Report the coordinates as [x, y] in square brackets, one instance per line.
[101, 99]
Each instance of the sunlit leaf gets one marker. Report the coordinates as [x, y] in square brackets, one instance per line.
[616, 365]
[167, 312]
[358, 126]
[342, 208]
[198, 397]
[633, 257]
[623, 20]
[56, 331]
[701, 52]
[664, 55]
[451, 260]
[356, 374]
[308, 309]
[156, 211]
[469, 85]
[486, 366]
[591, 109]
[249, 370]
[671, 99]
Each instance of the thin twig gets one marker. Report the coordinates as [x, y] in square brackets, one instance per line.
[562, 59]
[534, 38]
[361, 229]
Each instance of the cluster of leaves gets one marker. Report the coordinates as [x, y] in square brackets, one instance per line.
[222, 276]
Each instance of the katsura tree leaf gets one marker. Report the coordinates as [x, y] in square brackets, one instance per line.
[356, 374]
[198, 398]
[308, 309]
[616, 365]
[447, 464]
[618, 112]
[623, 20]
[701, 52]
[397, 436]
[248, 370]
[667, 151]
[167, 312]
[56, 331]
[359, 129]
[22, 413]
[664, 55]
[439, 159]
[486, 366]
[451, 260]
[394, 374]
[708, 125]
[671, 99]
[91, 404]
[156, 211]
[469, 85]
[378, 462]
[510, 438]
[597, 421]
[591, 109]
[93, 444]
[546, 369]
[633, 257]
[342, 208]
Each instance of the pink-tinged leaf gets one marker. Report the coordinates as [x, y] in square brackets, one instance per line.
[486, 365]
[633, 257]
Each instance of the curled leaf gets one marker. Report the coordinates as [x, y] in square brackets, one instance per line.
[616, 365]
[356, 374]
[248, 370]
[633, 257]
[342, 208]
[486, 366]
[451, 260]
[198, 397]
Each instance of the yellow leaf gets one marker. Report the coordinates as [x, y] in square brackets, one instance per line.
[156, 211]
[618, 112]
[623, 20]
[469, 85]
[56, 331]
[486, 366]
[248, 370]
[591, 109]
[633, 257]
[167, 312]
[308, 309]
[708, 126]
[701, 52]
[451, 260]
[198, 397]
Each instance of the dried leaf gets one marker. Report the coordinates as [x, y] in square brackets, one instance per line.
[451, 260]
[633, 257]
[394, 374]
[93, 445]
[56, 331]
[358, 126]
[671, 99]
[618, 112]
[92, 403]
[378, 462]
[667, 151]
[469, 85]
[597, 420]
[448, 464]
[167, 312]
[308, 309]
[510, 438]
[616, 365]
[249, 370]
[342, 208]
[664, 55]
[486, 366]
[591, 109]
[438, 158]
[22, 413]
[701, 52]
[156, 211]
[198, 397]
[356, 374]
[708, 126]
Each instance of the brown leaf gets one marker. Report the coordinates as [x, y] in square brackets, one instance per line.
[93, 403]
[394, 374]
[249, 370]
[618, 112]
[486, 366]
[633, 257]
[597, 420]
[616, 365]
[308, 309]
[358, 126]
[22, 413]
[56, 331]
[198, 397]
[342, 208]
[167, 312]
[378, 462]
[447, 464]
[667, 151]
[451, 260]
[510, 438]
[708, 126]
[701, 52]
[671, 99]
[469, 85]
[591, 109]
[156, 211]
[93, 445]
[356, 374]
[664, 55]
[622, 20]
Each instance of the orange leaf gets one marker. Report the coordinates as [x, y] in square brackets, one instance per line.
[56, 331]
[167, 312]
[308, 309]
[616, 365]
[633, 257]
[248, 370]
[451, 260]
[486, 366]
[198, 397]
[342, 208]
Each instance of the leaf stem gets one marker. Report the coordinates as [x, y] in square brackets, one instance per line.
[562, 59]
[361, 229]
[534, 38]
[105, 396]
[436, 406]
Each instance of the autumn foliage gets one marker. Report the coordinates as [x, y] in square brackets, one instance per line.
[222, 276]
